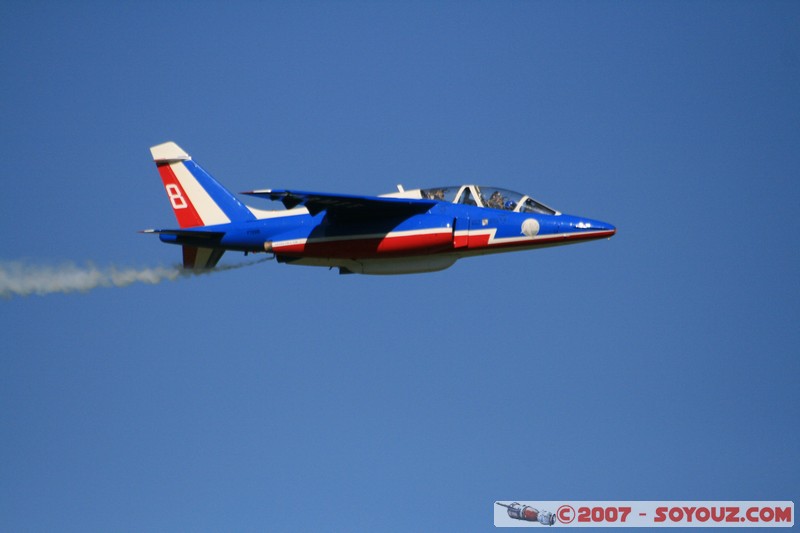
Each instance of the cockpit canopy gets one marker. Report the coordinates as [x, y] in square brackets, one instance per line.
[486, 196]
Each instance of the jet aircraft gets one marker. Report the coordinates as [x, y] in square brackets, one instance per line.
[408, 231]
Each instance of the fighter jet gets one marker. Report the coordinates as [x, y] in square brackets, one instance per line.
[404, 232]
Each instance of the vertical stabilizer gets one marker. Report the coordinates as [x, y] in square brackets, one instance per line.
[196, 198]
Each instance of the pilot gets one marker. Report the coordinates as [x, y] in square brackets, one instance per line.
[496, 200]
[433, 194]
[510, 205]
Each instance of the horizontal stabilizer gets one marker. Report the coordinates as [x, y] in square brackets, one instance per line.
[347, 206]
[188, 237]
[195, 234]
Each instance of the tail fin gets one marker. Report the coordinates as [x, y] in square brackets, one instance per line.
[197, 199]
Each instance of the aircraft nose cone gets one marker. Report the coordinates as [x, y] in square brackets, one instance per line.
[605, 226]
[586, 224]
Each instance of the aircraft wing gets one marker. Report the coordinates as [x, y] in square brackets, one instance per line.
[346, 206]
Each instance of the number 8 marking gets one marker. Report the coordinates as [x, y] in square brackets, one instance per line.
[175, 197]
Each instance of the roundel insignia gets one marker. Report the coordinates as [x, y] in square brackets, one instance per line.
[530, 227]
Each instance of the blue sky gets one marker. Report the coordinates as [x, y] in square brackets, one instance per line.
[659, 365]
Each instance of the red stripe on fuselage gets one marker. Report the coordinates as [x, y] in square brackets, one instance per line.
[415, 244]
[184, 210]
[476, 242]
[461, 241]
[370, 247]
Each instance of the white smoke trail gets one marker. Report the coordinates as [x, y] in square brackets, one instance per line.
[21, 279]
